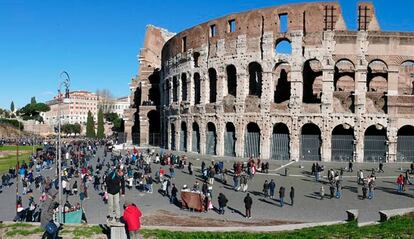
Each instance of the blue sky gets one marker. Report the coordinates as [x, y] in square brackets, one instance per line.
[97, 42]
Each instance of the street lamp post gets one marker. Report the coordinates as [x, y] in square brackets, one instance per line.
[66, 83]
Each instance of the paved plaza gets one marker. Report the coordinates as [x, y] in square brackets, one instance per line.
[307, 208]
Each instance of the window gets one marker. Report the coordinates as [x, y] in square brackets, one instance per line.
[232, 25]
[213, 30]
[283, 22]
[184, 44]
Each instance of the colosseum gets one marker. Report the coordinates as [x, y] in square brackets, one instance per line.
[286, 83]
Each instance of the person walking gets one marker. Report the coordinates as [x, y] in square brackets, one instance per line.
[332, 189]
[190, 168]
[371, 189]
[400, 183]
[272, 186]
[266, 189]
[115, 184]
[322, 192]
[46, 217]
[282, 196]
[222, 201]
[248, 202]
[380, 167]
[131, 217]
[350, 166]
[292, 195]
[174, 191]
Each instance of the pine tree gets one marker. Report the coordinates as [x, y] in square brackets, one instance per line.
[90, 126]
[12, 107]
[100, 131]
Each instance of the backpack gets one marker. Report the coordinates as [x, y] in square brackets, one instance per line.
[51, 228]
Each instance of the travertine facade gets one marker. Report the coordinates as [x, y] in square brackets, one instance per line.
[227, 87]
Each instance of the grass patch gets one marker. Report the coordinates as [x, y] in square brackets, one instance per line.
[398, 227]
[14, 147]
[23, 232]
[10, 161]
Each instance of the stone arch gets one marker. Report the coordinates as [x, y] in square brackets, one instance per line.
[342, 143]
[196, 57]
[230, 140]
[231, 80]
[212, 76]
[211, 139]
[405, 144]
[184, 87]
[195, 138]
[311, 142]
[183, 137]
[283, 46]
[344, 76]
[154, 91]
[255, 79]
[154, 134]
[197, 88]
[280, 142]
[377, 76]
[282, 89]
[172, 135]
[312, 81]
[406, 78]
[375, 143]
[252, 140]
[175, 89]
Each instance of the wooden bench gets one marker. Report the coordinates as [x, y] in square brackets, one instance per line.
[387, 214]
[352, 215]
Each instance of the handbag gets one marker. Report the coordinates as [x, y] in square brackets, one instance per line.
[51, 228]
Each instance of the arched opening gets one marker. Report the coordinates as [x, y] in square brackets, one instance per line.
[282, 90]
[154, 137]
[195, 138]
[167, 91]
[255, 79]
[197, 88]
[230, 140]
[311, 142]
[135, 130]
[173, 143]
[154, 92]
[212, 76]
[184, 87]
[342, 143]
[344, 85]
[280, 142]
[283, 46]
[211, 140]
[183, 137]
[175, 89]
[377, 77]
[231, 80]
[375, 144]
[406, 78]
[252, 140]
[312, 81]
[405, 144]
[196, 56]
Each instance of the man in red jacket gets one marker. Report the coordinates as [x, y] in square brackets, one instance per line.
[131, 217]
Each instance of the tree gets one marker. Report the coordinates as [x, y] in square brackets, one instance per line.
[118, 123]
[90, 126]
[33, 100]
[12, 107]
[71, 128]
[100, 134]
[32, 111]
[105, 100]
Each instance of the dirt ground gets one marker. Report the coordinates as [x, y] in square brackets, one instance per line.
[166, 218]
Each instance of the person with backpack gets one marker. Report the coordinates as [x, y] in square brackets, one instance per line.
[46, 217]
[272, 186]
[115, 184]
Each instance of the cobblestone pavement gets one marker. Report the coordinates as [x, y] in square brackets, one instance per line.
[307, 208]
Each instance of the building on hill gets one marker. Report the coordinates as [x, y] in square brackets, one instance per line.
[74, 110]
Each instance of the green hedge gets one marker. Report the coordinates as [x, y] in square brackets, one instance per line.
[12, 122]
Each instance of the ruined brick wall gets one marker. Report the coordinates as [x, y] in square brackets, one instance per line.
[331, 78]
